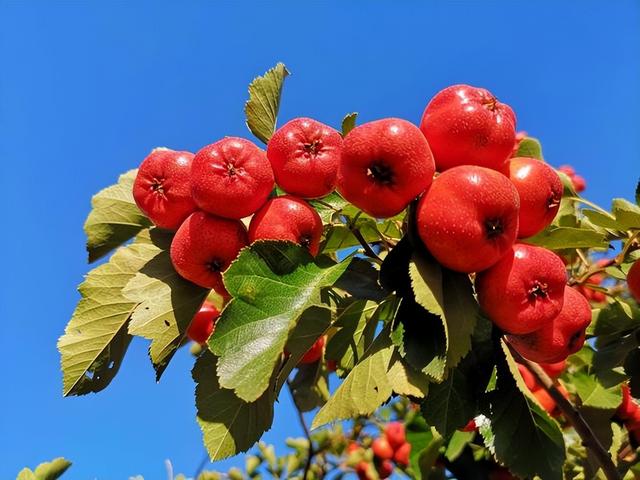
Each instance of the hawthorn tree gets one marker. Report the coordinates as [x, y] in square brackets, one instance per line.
[388, 288]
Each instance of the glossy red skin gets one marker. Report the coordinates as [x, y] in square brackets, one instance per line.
[466, 125]
[632, 422]
[287, 218]
[203, 323]
[314, 353]
[563, 336]
[202, 240]
[633, 280]
[305, 155]
[452, 216]
[384, 469]
[231, 178]
[593, 295]
[470, 426]
[579, 183]
[540, 191]
[528, 378]
[394, 431]
[395, 145]
[506, 291]
[162, 188]
[554, 370]
[548, 403]
[401, 455]
[628, 407]
[382, 449]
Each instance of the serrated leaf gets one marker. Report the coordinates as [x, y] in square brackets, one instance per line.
[349, 123]
[616, 318]
[406, 380]
[360, 279]
[593, 393]
[556, 238]
[166, 303]
[420, 436]
[261, 109]
[309, 387]
[365, 388]
[627, 214]
[229, 424]
[458, 441]
[114, 219]
[329, 206]
[530, 147]
[96, 338]
[26, 474]
[272, 283]
[52, 470]
[602, 220]
[448, 295]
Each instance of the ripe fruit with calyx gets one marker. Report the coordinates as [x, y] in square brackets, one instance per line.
[540, 191]
[204, 246]
[466, 125]
[162, 187]
[559, 338]
[468, 219]
[382, 449]
[395, 433]
[287, 218]
[203, 323]
[524, 291]
[231, 178]
[384, 165]
[401, 455]
[305, 155]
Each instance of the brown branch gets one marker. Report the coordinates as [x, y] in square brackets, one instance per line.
[307, 433]
[589, 439]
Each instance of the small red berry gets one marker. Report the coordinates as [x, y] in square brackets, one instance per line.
[314, 353]
[382, 449]
[394, 431]
[384, 468]
[401, 455]
[628, 406]
[203, 323]
[633, 280]
[470, 426]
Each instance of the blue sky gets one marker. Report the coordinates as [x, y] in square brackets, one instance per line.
[88, 88]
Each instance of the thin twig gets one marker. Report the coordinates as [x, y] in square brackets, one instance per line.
[306, 431]
[201, 465]
[365, 245]
[589, 439]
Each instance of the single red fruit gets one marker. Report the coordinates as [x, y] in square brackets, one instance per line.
[524, 291]
[231, 178]
[590, 294]
[633, 280]
[468, 219]
[466, 125]
[579, 183]
[352, 447]
[384, 165]
[554, 370]
[204, 246]
[362, 470]
[528, 378]
[561, 337]
[628, 406]
[470, 426]
[548, 403]
[384, 469]
[401, 455]
[394, 431]
[314, 353]
[287, 218]
[540, 190]
[567, 170]
[633, 421]
[203, 323]
[162, 187]
[305, 155]
[382, 449]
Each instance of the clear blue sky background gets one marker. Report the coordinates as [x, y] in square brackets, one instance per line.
[88, 88]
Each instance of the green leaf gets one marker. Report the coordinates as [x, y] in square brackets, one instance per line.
[519, 433]
[309, 387]
[360, 279]
[365, 388]
[262, 107]
[272, 283]
[602, 220]
[96, 338]
[26, 474]
[448, 295]
[229, 424]
[555, 238]
[593, 393]
[52, 470]
[394, 272]
[114, 219]
[459, 440]
[166, 303]
[330, 206]
[349, 123]
[420, 436]
[530, 147]
[616, 318]
[406, 380]
[627, 214]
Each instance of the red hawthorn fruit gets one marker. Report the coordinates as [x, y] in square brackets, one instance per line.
[401, 455]
[633, 421]
[554, 370]
[470, 426]
[568, 170]
[203, 323]
[204, 246]
[540, 190]
[231, 178]
[305, 155]
[465, 125]
[287, 218]
[362, 470]
[633, 280]
[524, 291]
[352, 447]
[162, 188]
[382, 449]
[468, 219]
[384, 165]
[593, 295]
[579, 183]
[314, 353]
[384, 469]
[394, 431]
[561, 337]
[548, 403]
[628, 406]
[528, 378]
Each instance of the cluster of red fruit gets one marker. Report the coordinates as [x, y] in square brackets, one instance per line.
[391, 447]
[554, 370]
[629, 413]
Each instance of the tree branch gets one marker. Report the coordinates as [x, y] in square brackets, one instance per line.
[572, 414]
[306, 431]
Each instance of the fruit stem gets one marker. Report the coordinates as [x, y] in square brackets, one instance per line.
[358, 234]
[305, 429]
[589, 439]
